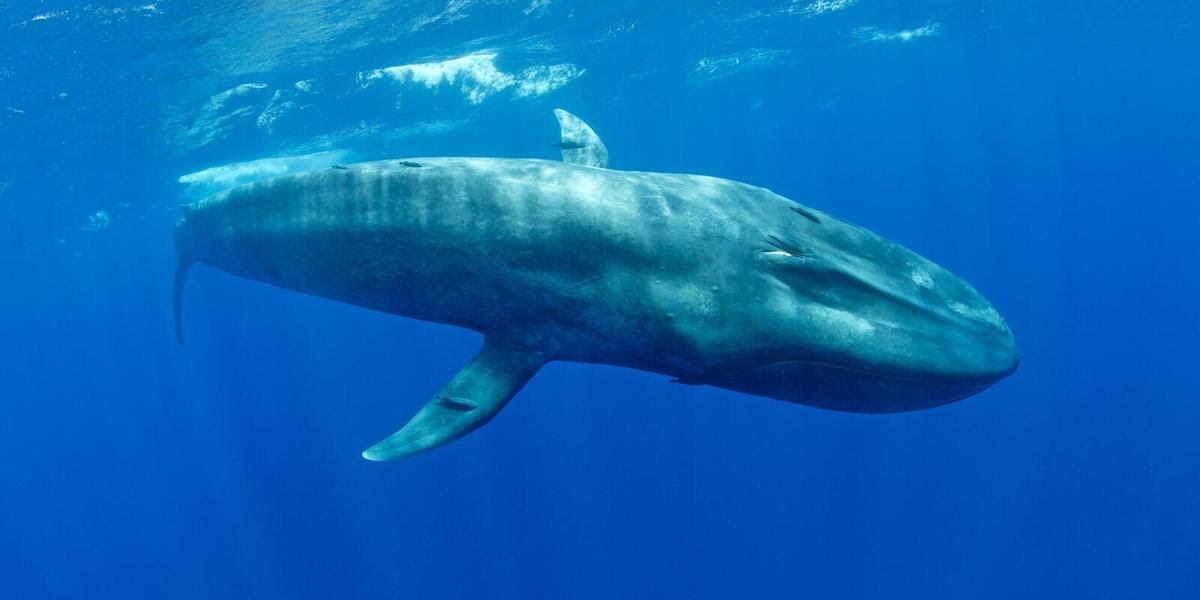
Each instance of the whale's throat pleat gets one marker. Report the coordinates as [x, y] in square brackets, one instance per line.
[466, 403]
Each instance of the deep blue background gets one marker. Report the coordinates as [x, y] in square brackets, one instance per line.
[1045, 151]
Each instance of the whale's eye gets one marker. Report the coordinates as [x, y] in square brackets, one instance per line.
[804, 213]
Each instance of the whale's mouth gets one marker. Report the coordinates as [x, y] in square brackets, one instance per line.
[966, 381]
[857, 388]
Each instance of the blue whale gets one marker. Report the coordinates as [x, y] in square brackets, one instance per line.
[707, 280]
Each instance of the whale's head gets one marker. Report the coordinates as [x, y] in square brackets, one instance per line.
[862, 324]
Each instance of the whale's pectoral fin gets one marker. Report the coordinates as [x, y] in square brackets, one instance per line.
[464, 404]
[580, 145]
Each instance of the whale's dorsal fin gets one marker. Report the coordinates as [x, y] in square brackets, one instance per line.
[580, 145]
[468, 401]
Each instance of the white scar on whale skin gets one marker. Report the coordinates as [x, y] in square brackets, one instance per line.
[922, 278]
[706, 280]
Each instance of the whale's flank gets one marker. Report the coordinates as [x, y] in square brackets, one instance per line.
[701, 279]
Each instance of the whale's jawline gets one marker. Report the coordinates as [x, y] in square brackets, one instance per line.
[846, 388]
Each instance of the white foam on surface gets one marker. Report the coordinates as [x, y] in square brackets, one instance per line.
[804, 8]
[819, 7]
[216, 118]
[876, 35]
[540, 80]
[453, 11]
[717, 67]
[46, 16]
[276, 108]
[476, 76]
[217, 101]
[537, 6]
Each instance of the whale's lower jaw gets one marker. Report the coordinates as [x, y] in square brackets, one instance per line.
[846, 389]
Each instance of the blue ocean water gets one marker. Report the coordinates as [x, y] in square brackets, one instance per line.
[1045, 151]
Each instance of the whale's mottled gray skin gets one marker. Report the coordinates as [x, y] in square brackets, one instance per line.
[706, 280]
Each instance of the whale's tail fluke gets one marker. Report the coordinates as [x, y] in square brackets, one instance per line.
[181, 270]
[467, 402]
